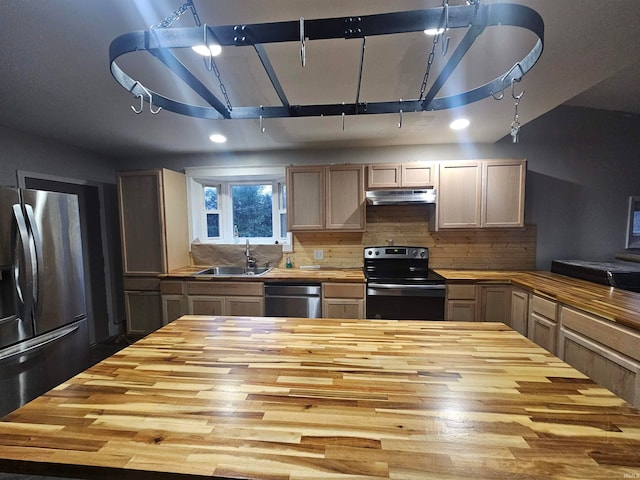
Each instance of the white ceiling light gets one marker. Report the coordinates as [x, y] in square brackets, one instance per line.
[217, 138]
[459, 124]
[213, 49]
[434, 31]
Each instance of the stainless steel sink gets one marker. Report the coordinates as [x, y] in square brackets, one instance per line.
[230, 271]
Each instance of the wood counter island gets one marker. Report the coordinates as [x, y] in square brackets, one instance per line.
[278, 398]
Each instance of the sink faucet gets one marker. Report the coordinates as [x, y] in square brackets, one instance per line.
[250, 261]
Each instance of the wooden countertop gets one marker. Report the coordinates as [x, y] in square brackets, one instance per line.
[277, 274]
[277, 398]
[616, 305]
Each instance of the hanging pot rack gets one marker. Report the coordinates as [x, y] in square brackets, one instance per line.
[474, 17]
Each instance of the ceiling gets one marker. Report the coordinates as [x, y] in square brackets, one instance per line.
[56, 82]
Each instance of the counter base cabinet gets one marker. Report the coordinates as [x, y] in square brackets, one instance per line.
[461, 303]
[542, 325]
[143, 310]
[225, 298]
[174, 300]
[605, 352]
[495, 303]
[519, 311]
[343, 300]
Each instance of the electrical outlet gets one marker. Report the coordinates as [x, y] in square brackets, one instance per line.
[318, 254]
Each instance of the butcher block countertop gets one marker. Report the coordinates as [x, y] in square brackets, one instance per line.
[295, 399]
[613, 304]
[276, 274]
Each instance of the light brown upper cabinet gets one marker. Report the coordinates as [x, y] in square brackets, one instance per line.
[153, 221]
[329, 197]
[481, 194]
[416, 175]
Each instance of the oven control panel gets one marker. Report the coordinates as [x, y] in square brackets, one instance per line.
[396, 252]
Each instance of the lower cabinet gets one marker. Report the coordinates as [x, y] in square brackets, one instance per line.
[225, 298]
[495, 303]
[343, 300]
[143, 305]
[602, 350]
[542, 326]
[519, 310]
[479, 303]
[461, 302]
[174, 300]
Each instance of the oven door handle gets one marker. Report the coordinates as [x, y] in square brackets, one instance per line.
[398, 290]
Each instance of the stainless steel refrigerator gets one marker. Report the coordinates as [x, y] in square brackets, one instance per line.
[43, 323]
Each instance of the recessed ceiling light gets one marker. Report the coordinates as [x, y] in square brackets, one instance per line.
[459, 124]
[213, 49]
[217, 138]
[434, 31]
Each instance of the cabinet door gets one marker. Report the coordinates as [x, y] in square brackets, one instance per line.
[345, 198]
[306, 202]
[140, 198]
[461, 310]
[383, 176]
[173, 307]
[495, 303]
[459, 196]
[519, 310]
[418, 175]
[543, 331]
[343, 308]
[244, 306]
[144, 311]
[206, 305]
[503, 193]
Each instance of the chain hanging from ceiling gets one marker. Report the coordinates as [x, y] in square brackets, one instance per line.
[160, 41]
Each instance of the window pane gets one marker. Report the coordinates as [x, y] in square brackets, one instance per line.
[252, 206]
[213, 225]
[636, 222]
[283, 225]
[283, 197]
[210, 198]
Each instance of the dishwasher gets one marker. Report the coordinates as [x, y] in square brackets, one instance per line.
[292, 299]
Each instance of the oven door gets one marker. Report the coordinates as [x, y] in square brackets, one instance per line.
[393, 301]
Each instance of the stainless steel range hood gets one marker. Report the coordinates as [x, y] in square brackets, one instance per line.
[401, 196]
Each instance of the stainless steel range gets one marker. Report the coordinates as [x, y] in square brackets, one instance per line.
[400, 285]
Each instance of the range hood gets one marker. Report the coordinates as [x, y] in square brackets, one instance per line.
[401, 196]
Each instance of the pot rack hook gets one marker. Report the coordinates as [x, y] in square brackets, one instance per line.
[343, 116]
[303, 50]
[445, 41]
[262, 129]
[138, 112]
[400, 115]
[513, 95]
[141, 97]
[208, 60]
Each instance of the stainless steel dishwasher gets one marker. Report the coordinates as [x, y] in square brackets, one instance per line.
[292, 299]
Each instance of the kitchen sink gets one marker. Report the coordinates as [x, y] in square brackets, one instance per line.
[229, 271]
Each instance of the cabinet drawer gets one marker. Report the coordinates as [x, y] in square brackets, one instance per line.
[142, 283]
[343, 290]
[616, 337]
[461, 292]
[248, 289]
[169, 287]
[544, 307]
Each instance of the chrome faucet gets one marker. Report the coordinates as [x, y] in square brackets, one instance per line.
[250, 261]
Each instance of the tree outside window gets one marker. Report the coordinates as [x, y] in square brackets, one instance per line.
[252, 207]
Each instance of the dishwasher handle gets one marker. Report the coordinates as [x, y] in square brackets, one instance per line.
[292, 290]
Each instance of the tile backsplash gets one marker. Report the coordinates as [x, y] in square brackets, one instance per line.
[498, 249]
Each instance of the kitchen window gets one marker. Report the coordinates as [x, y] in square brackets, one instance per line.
[235, 208]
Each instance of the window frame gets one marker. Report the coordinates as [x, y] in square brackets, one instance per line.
[196, 181]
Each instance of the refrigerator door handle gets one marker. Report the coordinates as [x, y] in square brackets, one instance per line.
[24, 290]
[37, 243]
[30, 348]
